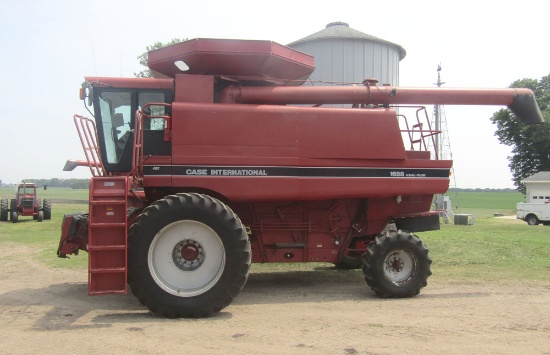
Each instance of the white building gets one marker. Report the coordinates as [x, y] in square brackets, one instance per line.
[538, 187]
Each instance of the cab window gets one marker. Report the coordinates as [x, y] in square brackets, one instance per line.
[155, 124]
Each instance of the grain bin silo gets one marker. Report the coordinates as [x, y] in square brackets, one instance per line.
[345, 55]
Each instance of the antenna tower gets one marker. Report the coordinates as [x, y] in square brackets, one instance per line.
[442, 147]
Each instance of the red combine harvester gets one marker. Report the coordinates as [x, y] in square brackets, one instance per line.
[208, 167]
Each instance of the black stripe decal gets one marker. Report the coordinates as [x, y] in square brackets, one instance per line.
[270, 171]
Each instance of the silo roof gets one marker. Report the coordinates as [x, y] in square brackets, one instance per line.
[342, 30]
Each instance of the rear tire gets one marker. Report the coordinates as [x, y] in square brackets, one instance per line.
[4, 211]
[188, 256]
[532, 220]
[396, 265]
[47, 208]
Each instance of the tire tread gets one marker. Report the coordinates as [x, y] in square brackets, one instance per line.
[189, 206]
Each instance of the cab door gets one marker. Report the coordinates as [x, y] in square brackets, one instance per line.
[115, 110]
[153, 129]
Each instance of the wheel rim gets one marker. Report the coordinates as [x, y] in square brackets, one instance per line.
[186, 258]
[399, 266]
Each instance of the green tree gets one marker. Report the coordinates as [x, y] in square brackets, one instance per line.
[146, 73]
[530, 143]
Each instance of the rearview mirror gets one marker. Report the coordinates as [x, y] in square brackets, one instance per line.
[86, 91]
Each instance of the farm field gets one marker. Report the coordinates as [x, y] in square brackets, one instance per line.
[489, 293]
[56, 194]
[484, 203]
[486, 199]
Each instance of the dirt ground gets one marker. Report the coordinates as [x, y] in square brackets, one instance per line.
[319, 311]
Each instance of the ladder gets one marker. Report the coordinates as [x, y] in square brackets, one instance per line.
[107, 236]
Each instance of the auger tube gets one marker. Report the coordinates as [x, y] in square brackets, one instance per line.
[520, 101]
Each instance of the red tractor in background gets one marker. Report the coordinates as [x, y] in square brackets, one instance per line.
[225, 158]
[25, 203]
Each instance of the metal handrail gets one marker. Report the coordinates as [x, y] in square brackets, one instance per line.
[88, 139]
[137, 154]
[417, 128]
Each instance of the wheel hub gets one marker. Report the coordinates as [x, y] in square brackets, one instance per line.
[396, 264]
[188, 255]
[399, 266]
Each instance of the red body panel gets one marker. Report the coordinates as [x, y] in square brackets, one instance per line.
[212, 145]
[248, 131]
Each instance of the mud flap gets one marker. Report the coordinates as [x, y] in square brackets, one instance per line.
[420, 223]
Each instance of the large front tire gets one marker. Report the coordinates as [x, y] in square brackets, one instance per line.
[396, 265]
[188, 256]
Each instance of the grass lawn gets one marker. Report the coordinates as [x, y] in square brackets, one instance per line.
[43, 237]
[491, 250]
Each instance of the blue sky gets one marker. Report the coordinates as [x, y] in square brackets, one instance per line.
[48, 47]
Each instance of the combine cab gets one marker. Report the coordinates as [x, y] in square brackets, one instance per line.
[25, 204]
[225, 159]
